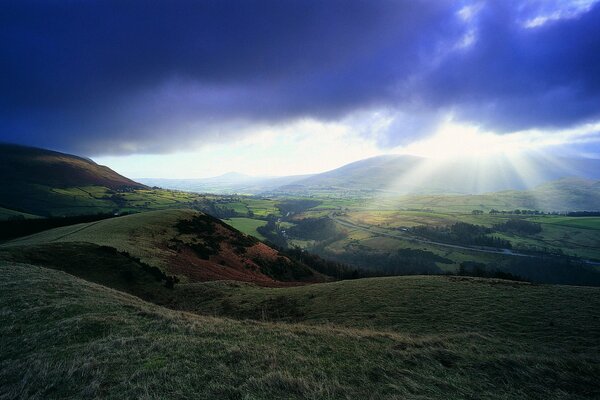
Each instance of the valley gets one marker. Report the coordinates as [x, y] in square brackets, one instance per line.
[169, 293]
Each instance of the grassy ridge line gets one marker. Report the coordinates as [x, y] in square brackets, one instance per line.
[540, 314]
[136, 234]
[62, 337]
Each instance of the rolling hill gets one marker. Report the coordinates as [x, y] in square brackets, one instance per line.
[44, 182]
[36, 166]
[435, 338]
[403, 174]
[187, 244]
[529, 181]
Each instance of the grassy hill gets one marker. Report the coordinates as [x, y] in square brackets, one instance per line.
[62, 337]
[184, 243]
[402, 174]
[43, 182]
[38, 182]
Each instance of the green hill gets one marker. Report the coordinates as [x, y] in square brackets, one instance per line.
[37, 180]
[183, 243]
[62, 337]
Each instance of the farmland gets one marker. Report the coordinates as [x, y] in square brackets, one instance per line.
[247, 225]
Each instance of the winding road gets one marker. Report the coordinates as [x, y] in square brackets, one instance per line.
[405, 236]
[400, 235]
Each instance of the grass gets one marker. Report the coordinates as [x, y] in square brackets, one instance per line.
[247, 226]
[573, 222]
[62, 337]
[136, 234]
[427, 305]
[5, 213]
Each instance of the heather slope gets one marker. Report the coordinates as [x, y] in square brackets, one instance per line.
[184, 243]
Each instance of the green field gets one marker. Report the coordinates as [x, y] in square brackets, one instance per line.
[575, 236]
[247, 226]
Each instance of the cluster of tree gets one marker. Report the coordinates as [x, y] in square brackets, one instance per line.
[284, 269]
[461, 233]
[17, 227]
[296, 206]
[583, 214]
[272, 233]
[330, 268]
[313, 229]
[554, 269]
[216, 210]
[400, 262]
[517, 212]
[477, 269]
[520, 226]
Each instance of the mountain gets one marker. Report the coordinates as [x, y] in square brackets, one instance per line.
[567, 194]
[403, 174]
[43, 182]
[229, 183]
[34, 166]
[190, 245]
[369, 174]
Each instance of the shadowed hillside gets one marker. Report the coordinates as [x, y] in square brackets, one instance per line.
[31, 165]
[404, 174]
[37, 181]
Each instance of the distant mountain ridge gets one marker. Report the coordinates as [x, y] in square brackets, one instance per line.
[404, 174]
[20, 164]
[229, 183]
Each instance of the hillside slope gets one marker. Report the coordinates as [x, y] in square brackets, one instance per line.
[35, 180]
[404, 174]
[31, 165]
[62, 337]
[183, 243]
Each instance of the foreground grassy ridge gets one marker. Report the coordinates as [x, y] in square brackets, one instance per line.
[62, 337]
[542, 315]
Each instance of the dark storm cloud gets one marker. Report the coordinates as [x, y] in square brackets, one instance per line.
[514, 77]
[151, 76]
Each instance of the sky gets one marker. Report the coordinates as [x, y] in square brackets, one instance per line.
[189, 89]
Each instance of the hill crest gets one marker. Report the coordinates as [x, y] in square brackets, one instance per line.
[21, 164]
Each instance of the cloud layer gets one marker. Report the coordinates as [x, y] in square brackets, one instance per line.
[102, 77]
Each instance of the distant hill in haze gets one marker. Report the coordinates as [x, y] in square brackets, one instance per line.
[229, 183]
[567, 194]
[403, 174]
